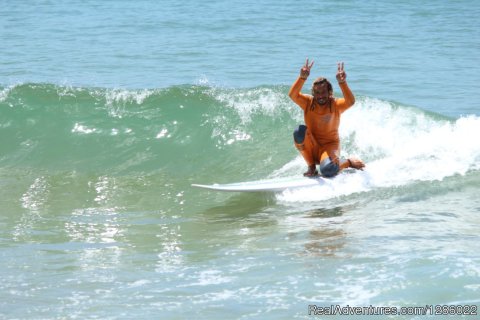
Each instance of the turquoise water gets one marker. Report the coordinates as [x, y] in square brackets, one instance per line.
[110, 110]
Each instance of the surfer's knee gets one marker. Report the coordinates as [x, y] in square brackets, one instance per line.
[299, 134]
[328, 168]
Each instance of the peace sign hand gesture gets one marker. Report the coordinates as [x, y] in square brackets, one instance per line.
[341, 75]
[305, 71]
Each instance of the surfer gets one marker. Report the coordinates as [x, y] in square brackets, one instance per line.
[318, 140]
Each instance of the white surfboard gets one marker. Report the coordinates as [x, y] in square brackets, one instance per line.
[268, 185]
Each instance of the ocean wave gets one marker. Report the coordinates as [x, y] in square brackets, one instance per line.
[233, 133]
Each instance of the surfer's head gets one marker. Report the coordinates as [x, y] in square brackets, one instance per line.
[322, 90]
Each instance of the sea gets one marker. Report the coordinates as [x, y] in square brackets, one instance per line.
[110, 110]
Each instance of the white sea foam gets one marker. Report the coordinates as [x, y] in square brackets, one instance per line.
[82, 129]
[5, 92]
[248, 102]
[117, 98]
[123, 95]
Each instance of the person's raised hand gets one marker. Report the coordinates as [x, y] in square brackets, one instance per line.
[341, 75]
[305, 71]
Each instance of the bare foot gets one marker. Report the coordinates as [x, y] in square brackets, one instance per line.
[311, 172]
[356, 163]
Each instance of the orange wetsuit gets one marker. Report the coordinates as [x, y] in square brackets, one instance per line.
[322, 123]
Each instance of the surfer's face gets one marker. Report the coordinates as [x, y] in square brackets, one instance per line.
[321, 93]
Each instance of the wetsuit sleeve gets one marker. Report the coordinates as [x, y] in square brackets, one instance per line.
[299, 98]
[348, 99]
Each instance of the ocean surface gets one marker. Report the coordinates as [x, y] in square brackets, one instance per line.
[110, 110]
